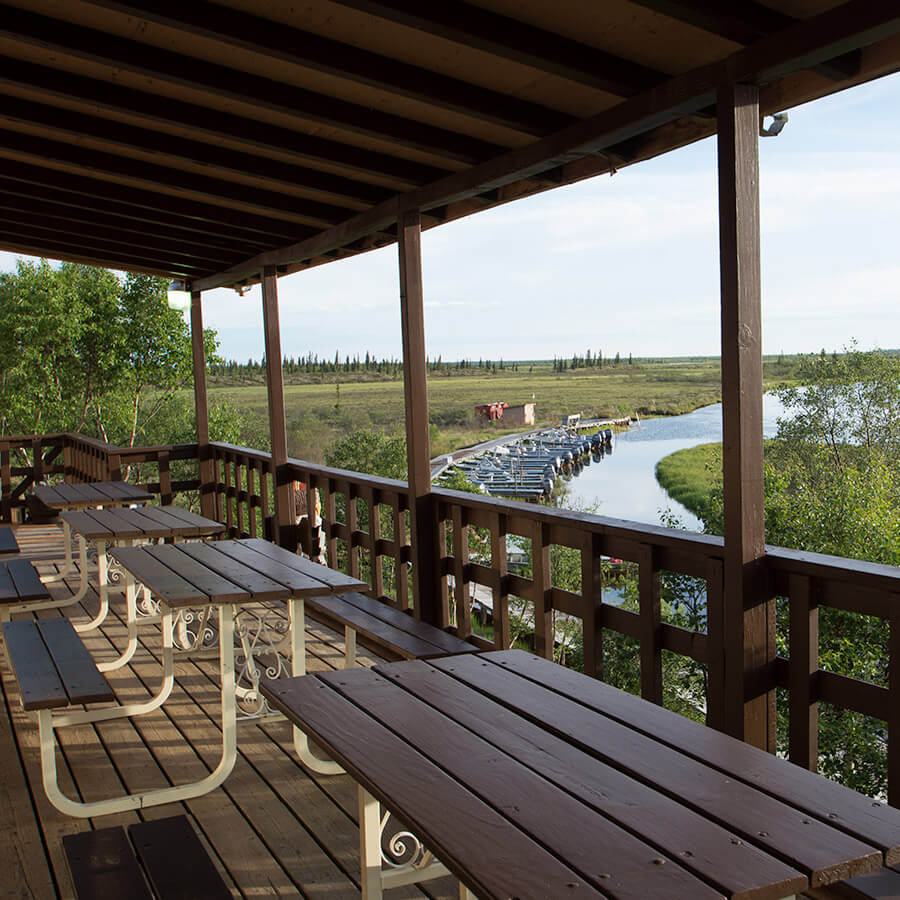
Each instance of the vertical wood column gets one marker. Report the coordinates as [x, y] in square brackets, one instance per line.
[284, 531]
[201, 408]
[425, 544]
[749, 614]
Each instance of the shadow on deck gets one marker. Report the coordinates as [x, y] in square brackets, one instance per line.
[273, 829]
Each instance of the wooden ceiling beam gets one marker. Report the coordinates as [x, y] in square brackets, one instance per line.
[68, 248]
[854, 24]
[16, 245]
[70, 208]
[178, 152]
[216, 191]
[744, 22]
[15, 209]
[239, 29]
[181, 72]
[518, 41]
[151, 206]
[117, 102]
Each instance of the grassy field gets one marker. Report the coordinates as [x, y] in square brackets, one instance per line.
[318, 412]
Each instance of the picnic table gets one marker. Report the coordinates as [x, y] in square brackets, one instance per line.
[103, 529]
[55, 673]
[529, 780]
[92, 495]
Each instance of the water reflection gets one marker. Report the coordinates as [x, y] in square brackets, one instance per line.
[623, 484]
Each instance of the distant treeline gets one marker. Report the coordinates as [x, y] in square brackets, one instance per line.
[312, 364]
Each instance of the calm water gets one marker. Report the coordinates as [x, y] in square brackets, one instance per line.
[623, 484]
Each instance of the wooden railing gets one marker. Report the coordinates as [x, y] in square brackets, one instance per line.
[364, 528]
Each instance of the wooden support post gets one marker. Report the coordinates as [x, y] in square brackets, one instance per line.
[201, 408]
[749, 613]
[285, 532]
[425, 545]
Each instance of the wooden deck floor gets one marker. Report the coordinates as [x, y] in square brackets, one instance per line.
[273, 829]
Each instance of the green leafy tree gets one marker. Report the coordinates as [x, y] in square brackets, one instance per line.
[82, 351]
[832, 486]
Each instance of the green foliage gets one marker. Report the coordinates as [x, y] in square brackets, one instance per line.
[831, 486]
[82, 351]
[371, 452]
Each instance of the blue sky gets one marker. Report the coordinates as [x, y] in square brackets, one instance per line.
[629, 263]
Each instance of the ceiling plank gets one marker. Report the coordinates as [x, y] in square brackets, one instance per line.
[67, 248]
[122, 103]
[518, 41]
[16, 195]
[13, 210]
[239, 29]
[744, 22]
[179, 152]
[854, 24]
[187, 73]
[109, 166]
[17, 246]
[151, 206]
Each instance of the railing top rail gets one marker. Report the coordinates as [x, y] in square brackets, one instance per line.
[28, 438]
[373, 481]
[705, 544]
[863, 574]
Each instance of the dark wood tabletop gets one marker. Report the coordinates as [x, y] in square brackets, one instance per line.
[146, 522]
[90, 495]
[527, 779]
[222, 572]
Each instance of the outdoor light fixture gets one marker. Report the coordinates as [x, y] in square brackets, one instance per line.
[178, 296]
[779, 120]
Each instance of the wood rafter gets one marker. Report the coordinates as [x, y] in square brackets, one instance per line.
[181, 152]
[235, 28]
[117, 102]
[48, 212]
[517, 41]
[66, 156]
[744, 22]
[146, 206]
[185, 72]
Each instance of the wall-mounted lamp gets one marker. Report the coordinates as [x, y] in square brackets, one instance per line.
[178, 296]
[775, 127]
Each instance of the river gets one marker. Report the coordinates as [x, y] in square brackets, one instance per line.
[623, 484]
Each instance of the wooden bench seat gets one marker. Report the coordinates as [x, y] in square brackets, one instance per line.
[51, 665]
[386, 627]
[8, 543]
[19, 583]
[163, 859]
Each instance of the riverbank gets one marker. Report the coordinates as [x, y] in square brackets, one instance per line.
[689, 476]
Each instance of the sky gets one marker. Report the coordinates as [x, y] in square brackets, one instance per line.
[629, 263]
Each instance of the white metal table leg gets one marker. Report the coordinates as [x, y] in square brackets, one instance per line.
[80, 717]
[298, 667]
[69, 565]
[349, 647]
[392, 860]
[369, 846]
[161, 796]
[103, 587]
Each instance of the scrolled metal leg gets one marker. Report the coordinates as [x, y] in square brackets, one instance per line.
[391, 860]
